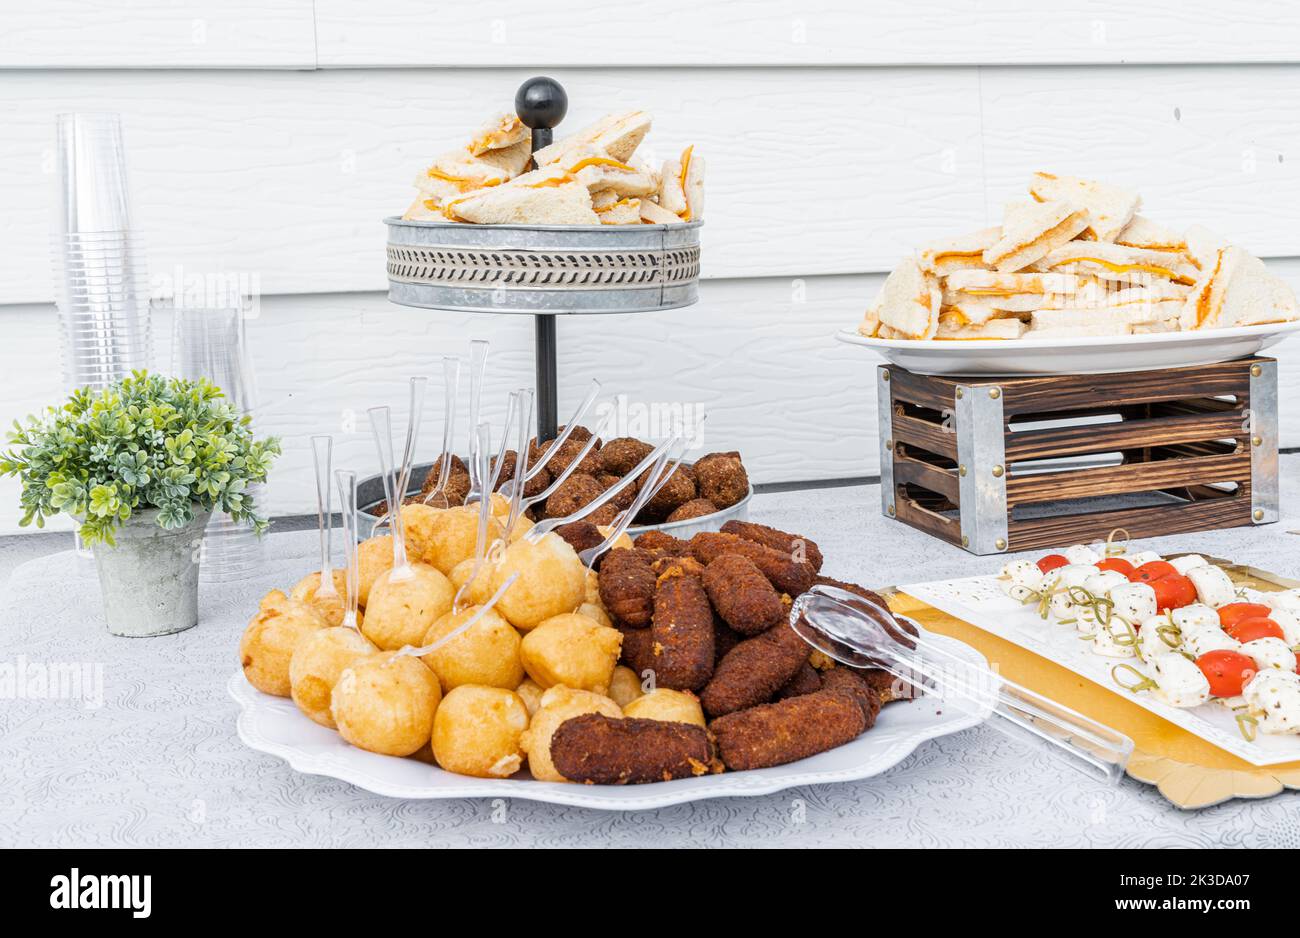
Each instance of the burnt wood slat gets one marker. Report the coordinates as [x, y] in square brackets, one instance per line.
[1121, 480]
[934, 478]
[931, 437]
[1127, 434]
[1151, 521]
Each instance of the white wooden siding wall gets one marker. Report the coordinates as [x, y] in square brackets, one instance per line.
[270, 138]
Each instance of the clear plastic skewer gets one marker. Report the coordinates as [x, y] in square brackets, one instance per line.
[450, 392]
[524, 401]
[411, 651]
[482, 438]
[569, 470]
[346, 480]
[574, 422]
[396, 479]
[322, 451]
[858, 632]
[478, 355]
[659, 474]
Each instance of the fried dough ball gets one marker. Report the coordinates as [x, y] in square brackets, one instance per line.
[721, 478]
[695, 508]
[374, 558]
[480, 591]
[331, 608]
[487, 654]
[418, 521]
[572, 650]
[402, 608]
[624, 686]
[270, 639]
[452, 535]
[576, 491]
[670, 706]
[596, 614]
[530, 692]
[316, 665]
[385, 703]
[620, 456]
[624, 540]
[552, 581]
[559, 704]
[593, 589]
[476, 731]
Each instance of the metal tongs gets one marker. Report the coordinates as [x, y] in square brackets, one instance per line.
[857, 632]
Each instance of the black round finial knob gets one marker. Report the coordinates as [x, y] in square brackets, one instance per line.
[541, 102]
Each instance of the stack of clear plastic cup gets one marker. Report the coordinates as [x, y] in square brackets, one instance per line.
[209, 343]
[101, 282]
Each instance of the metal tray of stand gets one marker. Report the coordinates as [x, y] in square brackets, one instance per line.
[543, 269]
[370, 492]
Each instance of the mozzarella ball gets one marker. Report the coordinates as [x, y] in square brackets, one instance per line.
[1135, 602]
[1138, 558]
[402, 608]
[374, 557]
[385, 703]
[1270, 653]
[272, 636]
[667, 706]
[1103, 581]
[530, 692]
[1179, 682]
[1061, 605]
[1273, 697]
[551, 581]
[316, 665]
[487, 653]
[1106, 641]
[1081, 554]
[1158, 636]
[1286, 600]
[1187, 562]
[1213, 587]
[476, 732]
[572, 650]
[624, 686]
[1199, 639]
[1288, 623]
[558, 705]
[1023, 580]
[1195, 616]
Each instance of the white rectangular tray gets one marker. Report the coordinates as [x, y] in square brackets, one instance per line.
[979, 601]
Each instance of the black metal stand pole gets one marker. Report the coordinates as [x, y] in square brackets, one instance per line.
[541, 103]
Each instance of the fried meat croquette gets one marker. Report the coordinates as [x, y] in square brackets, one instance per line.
[754, 671]
[663, 542]
[620, 456]
[677, 490]
[695, 508]
[581, 535]
[721, 478]
[558, 705]
[795, 546]
[742, 596]
[603, 750]
[805, 681]
[686, 566]
[681, 630]
[457, 484]
[638, 650]
[787, 731]
[789, 576]
[509, 462]
[624, 497]
[848, 681]
[566, 454]
[578, 491]
[627, 587]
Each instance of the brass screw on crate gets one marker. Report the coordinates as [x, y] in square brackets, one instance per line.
[995, 393]
[1000, 544]
[884, 374]
[891, 511]
[997, 472]
[1256, 441]
[961, 470]
[959, 393]
[1256, 371]
[965, 541]
[1259, 514]
[889, 445]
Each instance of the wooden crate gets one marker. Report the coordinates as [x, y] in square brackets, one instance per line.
[1007, 464]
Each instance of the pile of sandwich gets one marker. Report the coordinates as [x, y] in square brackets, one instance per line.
[592, 177]
[1076, 260]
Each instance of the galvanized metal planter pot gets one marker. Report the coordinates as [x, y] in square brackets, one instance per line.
[543, 269]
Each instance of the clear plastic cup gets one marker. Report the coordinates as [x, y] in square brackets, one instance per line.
[90, 160]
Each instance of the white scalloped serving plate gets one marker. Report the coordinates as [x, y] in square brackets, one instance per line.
[273, 725]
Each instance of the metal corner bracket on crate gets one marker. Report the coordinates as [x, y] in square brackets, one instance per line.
[978, 462]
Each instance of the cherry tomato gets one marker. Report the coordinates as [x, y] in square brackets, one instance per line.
[1173, 592]
[1233, 613]
[1116, 563]
[1051, 562]
[1247, 630]
[1297, 661]
[1227, 671]
[1153, 570]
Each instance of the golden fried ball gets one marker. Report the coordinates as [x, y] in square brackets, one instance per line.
[476, 731]
[593, 589]
[385, 703]
[559, 704]
[622, 541]
[331, 608]
[595, 613]
[572, 650]
[269, 641]
[669, 706]
[452, 535]
[401, 609]
[530, 692]
[418, 521]
[624, 686]
[487, 654]
[552, 581]
[374, 557]
[316, 665]
[480, 591]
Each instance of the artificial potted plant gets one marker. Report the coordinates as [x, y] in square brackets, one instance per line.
[141, 465]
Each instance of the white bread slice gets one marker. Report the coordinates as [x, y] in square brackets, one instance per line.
[671, 194]
[623, 212]
[1237, 290]
[424, 209]
[462, 173]
[552, 201]
[1107, 261]
[1142, 232]
[1203, 246]
[1008, 291]
[1095, 327]
[1030, 234]
[598, 170]
[653, 213]
[951, 328]
[502, 131]
[1131, 314]
[693, 184]
[511, 160]
[968, 312]
[616, 134]
[870, 324]
[960, 253]
[1109, 208]
[910, 300]
[1150, 328]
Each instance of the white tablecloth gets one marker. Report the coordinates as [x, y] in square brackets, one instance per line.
[159, 763]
